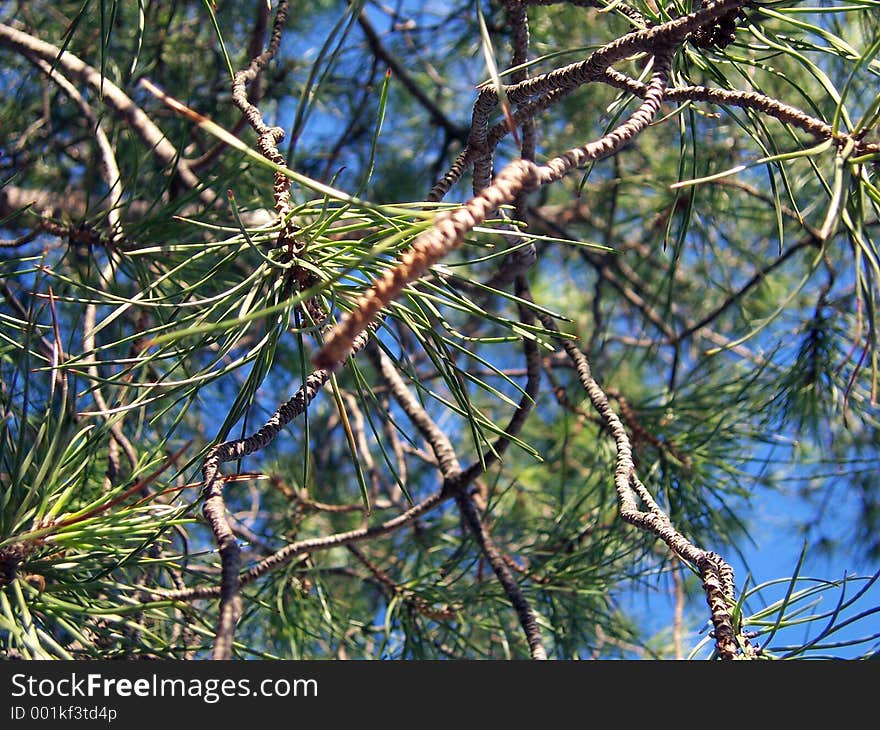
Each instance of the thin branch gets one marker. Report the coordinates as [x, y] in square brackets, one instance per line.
[530, 392]
[492, 138]
[108, 167]
[717, 575]
[514, 593]
[113, 96]
[395, 493]
[359, 430]
[605, 270]
[110, 174]
[289, 552]
[629, 285]
[19, 241]
[759, 276]
[269, 136]
[256, 90]
[399, 71]
[437, 440]
[451, 470]
[214, 507]
[114, 423]
[517, 263]
[392, 589]
[747, 100]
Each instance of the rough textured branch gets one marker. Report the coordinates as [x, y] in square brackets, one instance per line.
[451, 227]
[523, 610]
[269, 136]
[717, 575]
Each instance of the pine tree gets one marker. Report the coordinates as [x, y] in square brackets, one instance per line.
[331, 330]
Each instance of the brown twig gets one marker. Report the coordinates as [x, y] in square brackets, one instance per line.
[747, 100]
[514, 593]
[437, 440]
[289, 552]
[392, 589]
[493, 137]
[632, 288]
[269, 137]
[400, 72]
[451, 470]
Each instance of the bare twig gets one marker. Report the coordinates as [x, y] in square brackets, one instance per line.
[113, 96]
[269, 136]
[289, 552]
[747, 100]
[392, 589]
[399, 72]
[514, 593]
[437, 440]
[451, 470]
